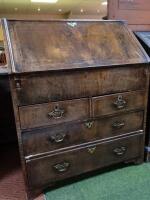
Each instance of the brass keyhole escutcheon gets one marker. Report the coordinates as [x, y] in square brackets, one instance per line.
[91, 150]
[18, 84]
[89, 124]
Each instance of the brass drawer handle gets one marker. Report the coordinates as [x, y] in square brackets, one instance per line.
[120, 103]
[118, 125]
[57, 113]
[58, 137]
[62, 167]
[89, 124]
[91, 150]
[119, 151]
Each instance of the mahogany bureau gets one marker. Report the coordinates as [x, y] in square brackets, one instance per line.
[79, 92]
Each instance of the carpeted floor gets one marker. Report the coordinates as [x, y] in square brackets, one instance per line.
[128, 183]
[11, 177]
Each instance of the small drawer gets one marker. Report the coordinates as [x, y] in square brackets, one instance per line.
[62, 136]
[53, 113]
[46, 170]
[115, 103]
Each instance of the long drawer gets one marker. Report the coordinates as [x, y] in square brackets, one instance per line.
[54, 113]
[53, 86]
[62, 136]
[49, 169]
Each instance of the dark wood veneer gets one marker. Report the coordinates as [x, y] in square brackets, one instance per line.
[65, 135]
[43, 171]
[56, 86]
[53, 113]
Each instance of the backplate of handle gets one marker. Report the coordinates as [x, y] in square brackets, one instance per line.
[118, 124]
[62, 167]
[119, 151]
[56, 113]
[120, 103]
[58, 137]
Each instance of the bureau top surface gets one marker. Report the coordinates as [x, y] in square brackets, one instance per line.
[66, 44]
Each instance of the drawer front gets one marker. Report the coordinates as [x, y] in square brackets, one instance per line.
[61, 136]
[53, 113]
[45, 87]
[111, 104]
[46, 170]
